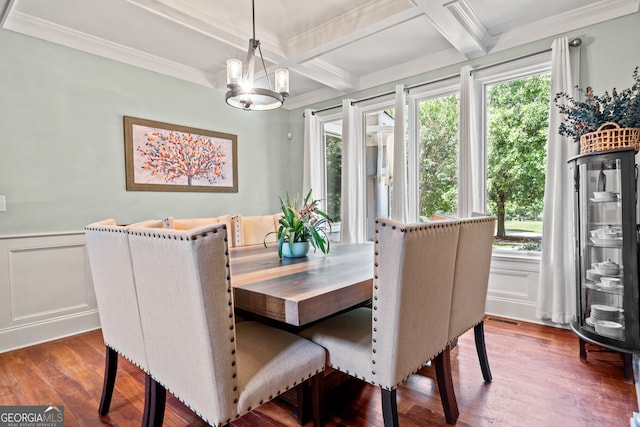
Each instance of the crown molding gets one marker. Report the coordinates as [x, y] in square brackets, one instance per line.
[26, 24]
[565, 22]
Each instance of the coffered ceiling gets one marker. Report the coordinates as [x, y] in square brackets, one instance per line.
[331, 47]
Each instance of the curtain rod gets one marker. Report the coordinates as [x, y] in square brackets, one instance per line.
[380, 95]
[572, 43]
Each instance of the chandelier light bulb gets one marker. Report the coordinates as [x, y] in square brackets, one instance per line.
[234, 71]
[282, 81]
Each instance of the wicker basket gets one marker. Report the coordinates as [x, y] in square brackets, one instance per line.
[610, 139]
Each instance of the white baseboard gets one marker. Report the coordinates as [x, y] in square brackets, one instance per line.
[48, 330]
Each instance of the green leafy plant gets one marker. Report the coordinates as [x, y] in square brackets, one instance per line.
[303, 221]
[587, 116]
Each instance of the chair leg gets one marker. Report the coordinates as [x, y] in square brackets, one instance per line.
[317, 399]
[154, 402]
[110, 369]
[389, 408]
[445, 386]
[478, 332]
[302, 408]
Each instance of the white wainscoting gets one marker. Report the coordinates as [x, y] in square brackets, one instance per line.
[45, 289]
[513, 287]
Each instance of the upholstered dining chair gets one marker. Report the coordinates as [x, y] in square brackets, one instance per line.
[116, 296]
[408, 322]
[219, 369]
[471, 281]
[188, 223]
[251, 230]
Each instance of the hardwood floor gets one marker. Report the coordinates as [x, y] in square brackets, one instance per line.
[538, 380]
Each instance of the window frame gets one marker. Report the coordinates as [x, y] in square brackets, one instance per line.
[482, 79]
[414, 98]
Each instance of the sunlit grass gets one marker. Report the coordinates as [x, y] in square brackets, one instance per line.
[526, 226]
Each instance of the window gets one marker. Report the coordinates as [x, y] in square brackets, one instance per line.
[509, 119]
[438, 121]
[332, 137]
[510, 115]
[516, 122]
[378, 159]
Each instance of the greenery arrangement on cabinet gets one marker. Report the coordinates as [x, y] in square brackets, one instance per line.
[587, 116]
[302, 221]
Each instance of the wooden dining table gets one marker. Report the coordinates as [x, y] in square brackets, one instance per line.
[299, 291]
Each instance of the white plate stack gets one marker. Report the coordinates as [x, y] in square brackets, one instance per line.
[606, 320]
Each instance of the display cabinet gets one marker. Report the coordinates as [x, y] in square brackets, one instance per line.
[606, 241]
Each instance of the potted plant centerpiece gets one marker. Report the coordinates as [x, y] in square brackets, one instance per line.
[602, 122]
[302, 226]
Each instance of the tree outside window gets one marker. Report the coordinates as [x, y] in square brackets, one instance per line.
[438, 156]
[517, 123]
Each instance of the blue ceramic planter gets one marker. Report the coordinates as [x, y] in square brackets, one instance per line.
[295, 250]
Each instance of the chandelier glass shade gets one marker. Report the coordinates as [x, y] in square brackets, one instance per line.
[242, 91]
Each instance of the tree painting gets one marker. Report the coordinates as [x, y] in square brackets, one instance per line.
[172, 155]
[166, 157]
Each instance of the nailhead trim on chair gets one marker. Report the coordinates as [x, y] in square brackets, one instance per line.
[231, 328]
[110, 229]
[145, 370]
[402, 229]
[164, 235]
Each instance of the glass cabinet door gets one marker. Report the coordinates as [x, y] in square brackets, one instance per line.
[602, 263]
[608, 307]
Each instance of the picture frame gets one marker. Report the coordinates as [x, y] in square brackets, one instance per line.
[167, 157]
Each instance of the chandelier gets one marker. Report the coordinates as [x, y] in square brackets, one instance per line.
[242, 92]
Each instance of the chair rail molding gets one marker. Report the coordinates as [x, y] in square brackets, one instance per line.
[45, 289]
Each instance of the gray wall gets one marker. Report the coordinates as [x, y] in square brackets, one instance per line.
[62, 149]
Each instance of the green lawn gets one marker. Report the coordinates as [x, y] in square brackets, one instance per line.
[530, 226]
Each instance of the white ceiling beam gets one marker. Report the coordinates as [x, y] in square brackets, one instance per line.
[158, 8]
[411, 68]
[351, 26]
[305, 50]
[470, 21]
[458, 24]
[310, 98]
[6, 7]
[327, 74]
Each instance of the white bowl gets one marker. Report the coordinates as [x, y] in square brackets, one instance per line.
[610, 282]
[608, 328]
[602, 194]
[607, 270]
[607, 234]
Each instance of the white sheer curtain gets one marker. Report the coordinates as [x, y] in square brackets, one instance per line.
[556, 286]
[353, 222]
[399, 201]
[471, 181]
[313, 161]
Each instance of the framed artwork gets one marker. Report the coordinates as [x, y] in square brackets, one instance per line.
[166, 157]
